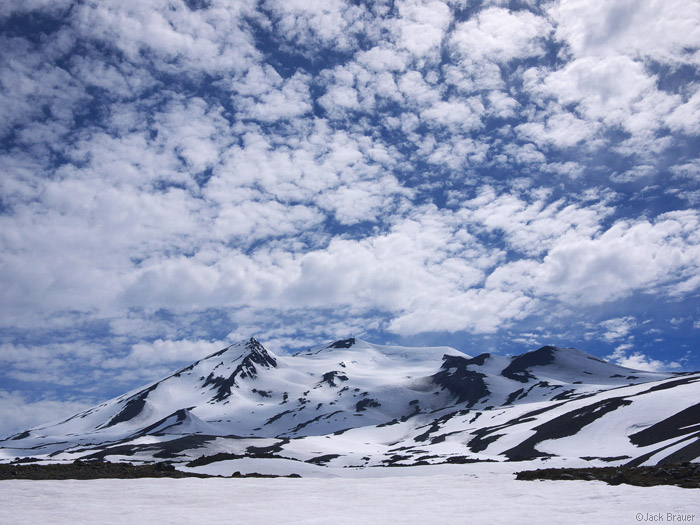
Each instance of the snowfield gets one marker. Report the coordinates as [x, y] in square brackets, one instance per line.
[459, 494]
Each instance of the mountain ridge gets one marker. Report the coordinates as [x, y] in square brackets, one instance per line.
[400, 405]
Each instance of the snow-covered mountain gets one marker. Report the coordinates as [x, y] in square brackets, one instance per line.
[352, 403]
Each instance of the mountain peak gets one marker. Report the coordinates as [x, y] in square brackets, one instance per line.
[249, 350]
[343, 343]
[241, 349]
[253, 345]
[518, 368]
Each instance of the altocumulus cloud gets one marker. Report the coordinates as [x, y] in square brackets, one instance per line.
[493, 175]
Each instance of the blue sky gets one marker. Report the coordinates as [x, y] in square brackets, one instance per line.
[490, 175]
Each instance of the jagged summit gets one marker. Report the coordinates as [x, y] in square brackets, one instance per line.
[253, 357]
[367, 401]
[239, 349]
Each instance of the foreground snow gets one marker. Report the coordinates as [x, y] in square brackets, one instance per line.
[412, 495]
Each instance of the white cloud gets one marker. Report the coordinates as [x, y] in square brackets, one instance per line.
[167, 351]
[676, 322]
[524, 154]
[500, 35]
[610, 77]
[33, 87]
[363, 201]
[415, 260]
[501, 105]
[666, 31]
[193, 130]
[457, 153]
[312, 24]
[559, 128]
[689, 170]
[455, 114]
[476, 310]
[570, 169]
[255, 220]
[266, 96]
[381, 59]
[8, 9]
[417, 90]
[54, 363]
[616, 90]
[422, 26]
[212, 40]
[339, 98]
[618, 328]
[637, 172]
[640, 361]
[627, 257]
[19, 413]
[686, 117]
[533, 227]
[300, 328]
